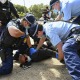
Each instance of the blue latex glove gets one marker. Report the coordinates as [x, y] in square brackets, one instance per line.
[32, 51]
[23, 36]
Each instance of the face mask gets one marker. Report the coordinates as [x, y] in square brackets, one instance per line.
[41, 36]
[55, 11]
[27, 27]
[3, 1]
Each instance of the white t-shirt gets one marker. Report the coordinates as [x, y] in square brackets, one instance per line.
[57, 31]
[70, 8]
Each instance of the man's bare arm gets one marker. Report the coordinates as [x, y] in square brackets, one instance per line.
[28, 42]
[60, 52]
[15, 32]
[41, 42]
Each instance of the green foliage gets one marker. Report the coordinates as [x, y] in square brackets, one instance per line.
[34, 9]
[21, 10]
[54, 15]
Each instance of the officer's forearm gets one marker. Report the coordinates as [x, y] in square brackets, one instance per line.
[28, 42]
[60, 52]
[19, 33]
[14, 32]
[41, 42]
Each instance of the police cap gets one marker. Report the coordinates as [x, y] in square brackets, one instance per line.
[33, 30]
[52, 2]
[30, 18]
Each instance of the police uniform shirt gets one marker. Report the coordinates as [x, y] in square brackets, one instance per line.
[70, 8]
[57, 31]
[12, 23]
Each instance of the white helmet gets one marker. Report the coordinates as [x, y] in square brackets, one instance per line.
[3, 1]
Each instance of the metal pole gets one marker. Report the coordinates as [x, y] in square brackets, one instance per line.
[24, 7]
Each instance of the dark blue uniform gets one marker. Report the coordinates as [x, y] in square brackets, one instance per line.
[5, 14]
[8, 44]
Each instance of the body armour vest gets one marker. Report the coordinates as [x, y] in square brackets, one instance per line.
[8, 41]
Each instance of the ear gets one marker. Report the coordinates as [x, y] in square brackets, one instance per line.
[39, 32]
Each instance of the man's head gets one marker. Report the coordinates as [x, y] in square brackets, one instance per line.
[36, 30]
[55, 4]
[28, 20]
[24, 58]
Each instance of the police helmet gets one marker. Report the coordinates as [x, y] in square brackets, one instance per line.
[30, 18]
[52, 2]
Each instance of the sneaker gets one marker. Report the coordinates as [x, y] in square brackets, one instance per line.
[26, 65]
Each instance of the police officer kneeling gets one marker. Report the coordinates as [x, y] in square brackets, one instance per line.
[66, 38]
[13, 38]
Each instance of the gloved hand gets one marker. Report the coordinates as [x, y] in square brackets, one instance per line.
[23, 36]
[32, 51]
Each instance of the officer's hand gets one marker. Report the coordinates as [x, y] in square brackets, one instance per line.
[23, 36]
[32, 51]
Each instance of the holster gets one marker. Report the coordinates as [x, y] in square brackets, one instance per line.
[77, 37]
[75, 33]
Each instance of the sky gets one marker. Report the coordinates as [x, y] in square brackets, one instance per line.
[28, 3]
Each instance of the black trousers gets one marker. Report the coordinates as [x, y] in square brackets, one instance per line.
[77, 20]
[42, 54]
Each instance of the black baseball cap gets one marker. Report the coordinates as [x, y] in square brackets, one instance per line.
[52, 2]
[30, 18]
[33, 30]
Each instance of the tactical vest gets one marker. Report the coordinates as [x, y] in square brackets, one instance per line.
[5, 13]
[8, 41]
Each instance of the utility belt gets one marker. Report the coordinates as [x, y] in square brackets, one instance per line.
[75, 33]
[14, 45]
[7, 41]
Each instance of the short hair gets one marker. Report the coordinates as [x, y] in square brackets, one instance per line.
[40, 27]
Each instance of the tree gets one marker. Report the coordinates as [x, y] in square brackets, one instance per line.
[21, 9]
[36, 10]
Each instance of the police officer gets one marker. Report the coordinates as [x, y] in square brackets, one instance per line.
[64, 36]
[15, 36]
[36, 40]
[6, 8]
[67, 9]
[46, 14]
